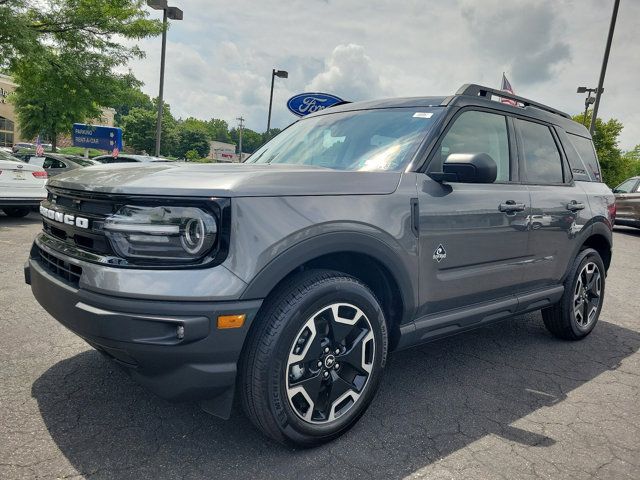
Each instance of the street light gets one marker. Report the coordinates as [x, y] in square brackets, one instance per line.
[587, 101]
[274, 73]
[172, 13]
[603, 69]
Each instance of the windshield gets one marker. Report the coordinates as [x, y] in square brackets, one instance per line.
[367, 140]
[5, 156]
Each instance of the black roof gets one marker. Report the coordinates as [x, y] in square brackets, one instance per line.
[472, 94]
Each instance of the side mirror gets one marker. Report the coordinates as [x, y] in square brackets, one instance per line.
[467, 168]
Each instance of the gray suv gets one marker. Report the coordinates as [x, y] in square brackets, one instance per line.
[362, 229]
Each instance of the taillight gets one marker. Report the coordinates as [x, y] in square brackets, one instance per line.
[612, 212]
[40, 174]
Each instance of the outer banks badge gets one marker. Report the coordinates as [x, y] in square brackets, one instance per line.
[440, 254]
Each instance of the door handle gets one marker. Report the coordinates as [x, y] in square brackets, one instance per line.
[575, 206]
[510, 206]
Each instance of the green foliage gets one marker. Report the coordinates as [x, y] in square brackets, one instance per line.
[605, 139]
[139, 130]
[251, 140]
[192, 156]
[80, 151]
[193, 136]
[63, 56]
[218, 130]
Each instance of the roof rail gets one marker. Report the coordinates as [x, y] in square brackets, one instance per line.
[473, 90]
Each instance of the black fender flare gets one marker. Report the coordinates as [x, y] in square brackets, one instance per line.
[335, 242]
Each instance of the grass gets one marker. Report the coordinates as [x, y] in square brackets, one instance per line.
[80, 151]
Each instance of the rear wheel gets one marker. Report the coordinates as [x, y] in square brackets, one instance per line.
[16, 212]
[313, 363]
[576, 315]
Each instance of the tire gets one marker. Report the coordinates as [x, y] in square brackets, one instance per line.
[301, 344]
[577, 312]
[16, 212]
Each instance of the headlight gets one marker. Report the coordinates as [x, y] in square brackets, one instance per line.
[166, 233]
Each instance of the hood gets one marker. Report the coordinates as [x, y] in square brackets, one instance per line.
[225, 180]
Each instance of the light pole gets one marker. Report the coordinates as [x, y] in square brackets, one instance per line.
[241, 125]
[587, 101]
[274, 73]
[172, 13]
[603, 70]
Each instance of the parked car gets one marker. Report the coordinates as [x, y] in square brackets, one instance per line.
[628, 202]
[128, 158]
[23, 145]
[361, 229]
[22, 186]
[55, 163]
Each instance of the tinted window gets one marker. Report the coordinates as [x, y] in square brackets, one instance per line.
[542, 161]
[53, 163]
[626, 186]
[367, 140]
[479, 132]
[585, 149]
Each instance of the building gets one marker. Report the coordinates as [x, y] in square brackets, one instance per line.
[9, 133]
[222, 152]
[10, 129]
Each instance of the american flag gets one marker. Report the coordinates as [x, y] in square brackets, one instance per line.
[115, 152]
[39, 147]
[506, 87]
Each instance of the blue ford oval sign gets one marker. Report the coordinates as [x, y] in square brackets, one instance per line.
[306, 103]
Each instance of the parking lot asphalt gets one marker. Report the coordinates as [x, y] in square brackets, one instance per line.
[507, 401]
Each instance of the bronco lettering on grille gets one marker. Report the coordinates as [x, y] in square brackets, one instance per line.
[65, 218]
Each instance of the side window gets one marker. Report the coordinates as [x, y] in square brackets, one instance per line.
[542, 160]
[587, 153]
[626, 186]
[479, 132]
[53, 163]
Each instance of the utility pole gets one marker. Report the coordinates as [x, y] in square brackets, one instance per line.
[240, 127]
[605, 60]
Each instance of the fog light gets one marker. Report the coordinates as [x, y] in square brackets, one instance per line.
[231, 321]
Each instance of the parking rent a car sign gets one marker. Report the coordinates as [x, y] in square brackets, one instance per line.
[306, 103]
[95, 136]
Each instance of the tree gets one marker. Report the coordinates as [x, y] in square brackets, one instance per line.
[251, 140]
[192, 135]
[218, 130]
[63, 55]
[130, 98]
[139, 130]
[605, 139]
[55, 90]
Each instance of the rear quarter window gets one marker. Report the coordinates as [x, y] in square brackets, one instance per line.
[586, 152]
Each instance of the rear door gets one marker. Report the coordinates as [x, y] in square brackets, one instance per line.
[559, 207]
[473, 237]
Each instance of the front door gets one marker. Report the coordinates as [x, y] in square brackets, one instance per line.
[473, 237]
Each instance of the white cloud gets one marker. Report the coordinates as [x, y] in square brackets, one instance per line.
[220, 59]
[350, 74]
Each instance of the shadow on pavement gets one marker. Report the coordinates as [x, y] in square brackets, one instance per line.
[9, 222]
[434, 400]
[633, 232]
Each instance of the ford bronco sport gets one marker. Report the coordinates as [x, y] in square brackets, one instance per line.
[361, 229]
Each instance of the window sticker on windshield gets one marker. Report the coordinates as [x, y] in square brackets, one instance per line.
[423, 115]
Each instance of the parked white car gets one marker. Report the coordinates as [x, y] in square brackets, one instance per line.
[22, 186]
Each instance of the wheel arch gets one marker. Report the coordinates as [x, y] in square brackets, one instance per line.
[601, 240]
[362, 256]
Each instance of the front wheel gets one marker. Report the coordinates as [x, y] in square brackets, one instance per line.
[577, 312]
[313, 363]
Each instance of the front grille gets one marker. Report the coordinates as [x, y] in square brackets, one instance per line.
[94, 208]
[61, 269]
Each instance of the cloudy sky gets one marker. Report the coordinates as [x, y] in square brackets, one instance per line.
[220, 57]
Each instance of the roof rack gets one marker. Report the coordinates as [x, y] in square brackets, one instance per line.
[473, 90]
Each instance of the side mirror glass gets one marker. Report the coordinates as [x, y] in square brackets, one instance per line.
[467, 168]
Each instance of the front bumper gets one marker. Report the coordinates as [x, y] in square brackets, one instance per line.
[21, 202]
[171, 347]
